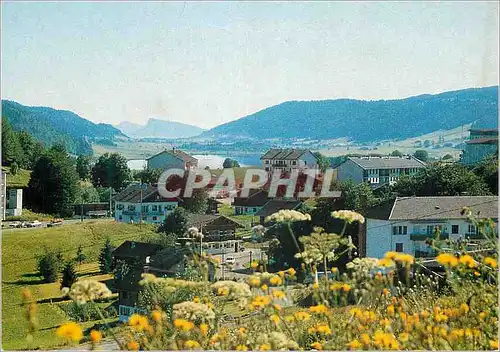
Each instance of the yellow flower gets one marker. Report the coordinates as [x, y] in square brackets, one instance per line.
[254, 281]
[183, 324]
[275, 319]
[365, 338]
[279, 294]
[494, 344]
[385, 262]
[275, 281]
[315, 286]
[335, 270]
[319, 309]
[264, 347]
[346, 287]
[391, 255]
[483, 315]
[241, 348]
[316, 346]
[355, 345]
[302, 316]
[156, 315]
[260, 302]
[138, 322]
[95, 336]
[467, 260]
[385, 291]
[133, 346]
[277, 307]
[464, 308]
[447, 259]
[281, 273]
[196, 299]
[254, 265]
[440, 317]
[204, 329]
[291, 272]
[191, 344]
[323, 329]
[71, 331]
[477, 273]
[223, 291]
[264, 287]
[490, 262]
[390, 310]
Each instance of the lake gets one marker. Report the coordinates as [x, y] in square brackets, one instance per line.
[213, 161]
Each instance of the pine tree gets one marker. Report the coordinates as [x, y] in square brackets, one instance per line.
[49, 264]
[80, 256]
[69, 275]
[106, 257]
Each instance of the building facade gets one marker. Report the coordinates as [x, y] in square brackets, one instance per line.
[252, 204]
[404, 224]
[136, 204]
[172, 159]
[481, 145]
[378, 171]
[288, 160]
[3, 195]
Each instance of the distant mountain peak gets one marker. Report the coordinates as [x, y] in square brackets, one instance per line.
[159, 128]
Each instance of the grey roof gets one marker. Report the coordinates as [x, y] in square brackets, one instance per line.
[448, 207]
[195, 220]
[275, 205]
[178, 154]
[284, 154]
[483, 140]
[136, 249]
[386, 162]
[150, 194]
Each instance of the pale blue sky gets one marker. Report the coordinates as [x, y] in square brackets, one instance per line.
[207, 63]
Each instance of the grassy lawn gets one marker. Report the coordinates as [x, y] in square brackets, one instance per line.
[20, 180]
[19, 248]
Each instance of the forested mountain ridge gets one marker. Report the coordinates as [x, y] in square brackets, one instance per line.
[368, 121]
[52, 126]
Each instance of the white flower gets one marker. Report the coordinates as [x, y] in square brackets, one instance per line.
[258, 230]
[288, 216]
[348, 216]
[193, 311]
[88, 290]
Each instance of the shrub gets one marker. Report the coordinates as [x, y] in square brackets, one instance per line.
[69, 275]
[86, 312]
[106, 257]
[49, 265]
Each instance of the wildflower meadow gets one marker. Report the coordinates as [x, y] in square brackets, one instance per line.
[389, 303]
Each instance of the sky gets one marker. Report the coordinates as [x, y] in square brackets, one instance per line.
[207, 63]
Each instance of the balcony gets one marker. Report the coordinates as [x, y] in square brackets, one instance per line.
[130, 212]
[415, 236]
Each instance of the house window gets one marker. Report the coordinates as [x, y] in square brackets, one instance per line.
[120, 218]
[155, 208]
[294, 162]
[399, 230]
[399, 247]
[119, 207]
[155, 218]
[145, 208]
[131, 207]
[454, 229]
[267, 161]
[472, 229]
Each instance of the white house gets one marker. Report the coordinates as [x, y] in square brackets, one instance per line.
[403, 224]
[135, 202]
[289, 159]
[172, 159]
[378, 171]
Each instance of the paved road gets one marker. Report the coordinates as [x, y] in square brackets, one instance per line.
[44, 224]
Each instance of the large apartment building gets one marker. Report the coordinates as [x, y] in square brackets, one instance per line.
[288, 160]
[404, 224]
[378, 171]
[482, 143]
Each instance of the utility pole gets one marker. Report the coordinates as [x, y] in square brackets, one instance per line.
[201, 240]
[140, 214]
